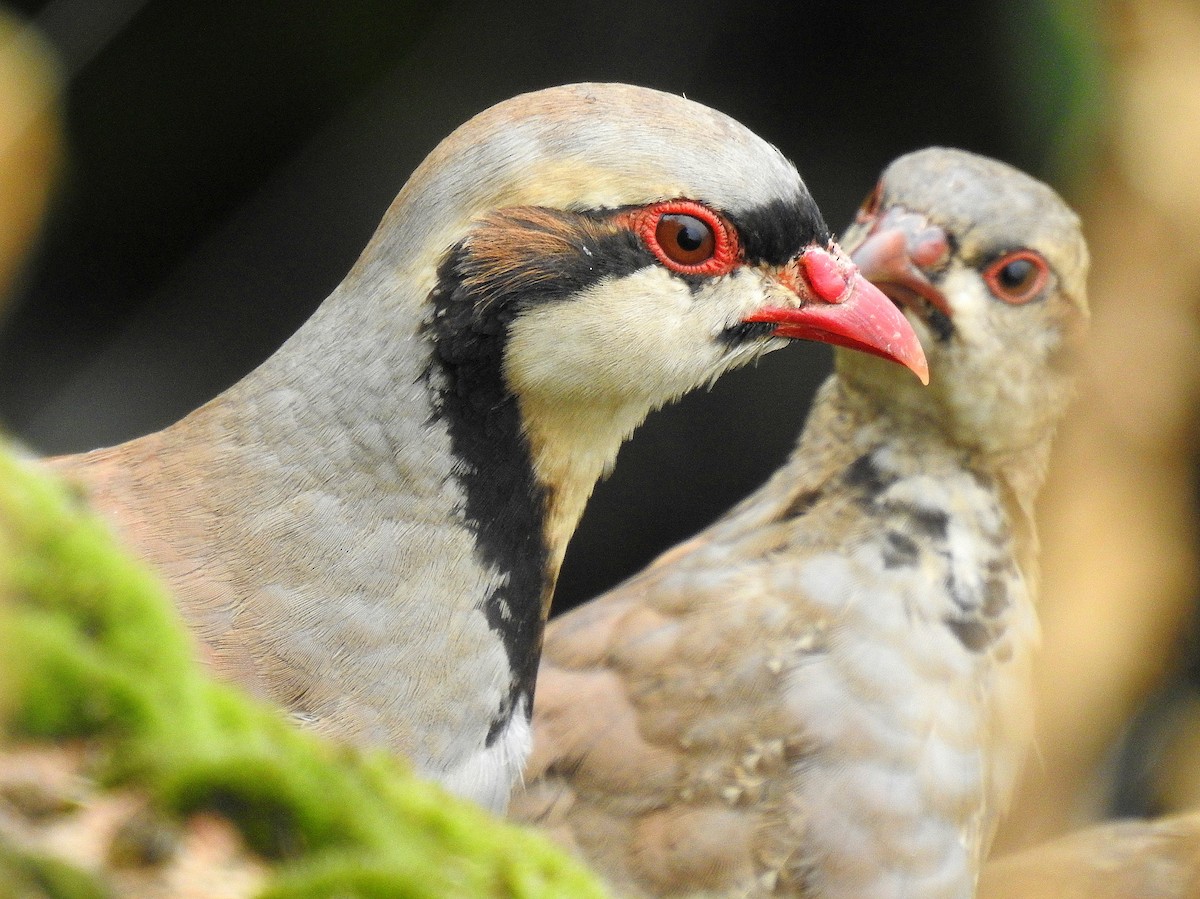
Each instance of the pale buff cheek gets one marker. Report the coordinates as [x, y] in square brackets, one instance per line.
[976, 354]
[972, 309]
[1003, 393]
[639, 335]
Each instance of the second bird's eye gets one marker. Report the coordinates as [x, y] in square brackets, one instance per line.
[1017, 277]
[685, 239]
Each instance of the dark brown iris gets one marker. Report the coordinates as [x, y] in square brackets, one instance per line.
[685, 239]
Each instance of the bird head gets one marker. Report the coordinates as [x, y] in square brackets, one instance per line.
[615, 245]
[990, 267]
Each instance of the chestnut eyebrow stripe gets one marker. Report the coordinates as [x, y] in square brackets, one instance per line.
[525, 256]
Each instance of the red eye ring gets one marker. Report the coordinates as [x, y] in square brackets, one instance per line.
[688, 237]
[1017, 277]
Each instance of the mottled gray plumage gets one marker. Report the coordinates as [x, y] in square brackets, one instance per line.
[825, 693]
[367, 528]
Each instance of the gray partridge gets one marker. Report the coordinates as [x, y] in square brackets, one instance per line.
[367, 528]
[823, 694]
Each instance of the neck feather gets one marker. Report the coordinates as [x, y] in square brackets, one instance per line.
[572, 448]
[847, 421]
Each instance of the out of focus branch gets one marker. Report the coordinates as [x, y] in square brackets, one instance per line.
[30, 142]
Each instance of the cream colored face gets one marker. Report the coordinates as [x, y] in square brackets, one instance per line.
[647, 334]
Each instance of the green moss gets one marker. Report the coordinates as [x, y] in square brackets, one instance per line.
[95, 649]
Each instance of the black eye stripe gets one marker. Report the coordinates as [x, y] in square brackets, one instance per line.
[774, 233]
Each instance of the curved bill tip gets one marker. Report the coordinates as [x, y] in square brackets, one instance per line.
[866, 320]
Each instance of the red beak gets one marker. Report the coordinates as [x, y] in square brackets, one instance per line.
[894, 253]
[839, 306]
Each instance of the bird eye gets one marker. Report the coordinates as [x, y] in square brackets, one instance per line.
[688, 237]
[1017, 277]
[685, 239]
[870, 205]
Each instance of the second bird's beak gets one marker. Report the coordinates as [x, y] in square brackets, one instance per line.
[839, 306]
[893, 249]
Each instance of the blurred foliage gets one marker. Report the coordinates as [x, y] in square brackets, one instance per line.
[1119, 515]
[1057, 83]
[30, 143]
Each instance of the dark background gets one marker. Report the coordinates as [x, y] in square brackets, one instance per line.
[228, 160]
